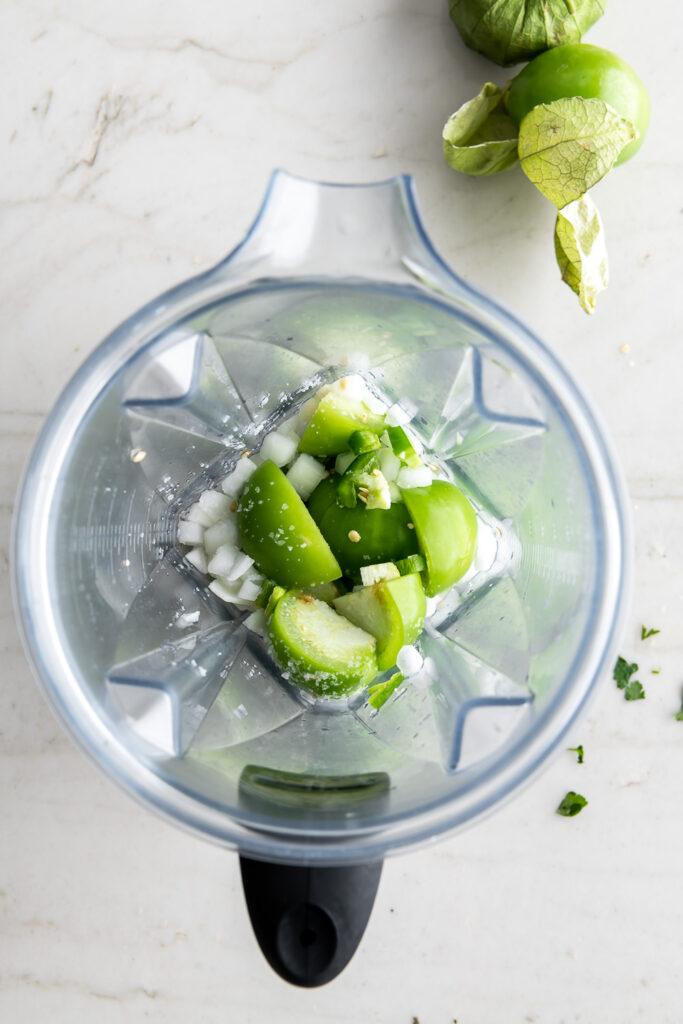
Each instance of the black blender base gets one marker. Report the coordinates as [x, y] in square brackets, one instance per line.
[309, 920]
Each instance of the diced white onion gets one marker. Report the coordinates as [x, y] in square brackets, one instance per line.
[190, 533]
[223, 560]
[236, 480]
[227, 592]
[408, 661]
[215, 504]
[389, 463]
[343, 461]
[305, 413]
[394, 491]
[279, 448]
[256, 622]
[196, 514]
[421, 476]
[249, 591]
[241, 564]
[401, 413]
[305, 475]
[197, 558]
[370, 574]
[224, 532]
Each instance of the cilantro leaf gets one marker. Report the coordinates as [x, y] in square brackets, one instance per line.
[679, 716]
[580, 250]
[634, 691]
[567, 146]
[572, 804]
[480, 137]
[578, 751]
[380, 693]
[645, 633]
[623, 670]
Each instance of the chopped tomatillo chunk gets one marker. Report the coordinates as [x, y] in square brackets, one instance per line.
[333, 423]
[393, 611]
[276, 529]
[318, 649]
[446, 528]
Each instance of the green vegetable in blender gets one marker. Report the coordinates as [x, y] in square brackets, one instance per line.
[319, 650]
[362, 441]
[334, 421]
[392, 611]
[402, 447]
[362, 536]
[446, 528]
[277, 531]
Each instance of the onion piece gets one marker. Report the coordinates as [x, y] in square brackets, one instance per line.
[305, 475]
[197, 558]
[279, 448]
[224, 532]
[235, 481]
[190, 533]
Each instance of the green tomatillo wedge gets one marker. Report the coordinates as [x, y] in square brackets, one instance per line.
[446, 528]
[319, 650]
[393, 611]
[323, 496]
[334, 421]
[277, 531]
[362, 536]
[590, 72]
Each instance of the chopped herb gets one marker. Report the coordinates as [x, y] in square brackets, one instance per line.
[679, 716]
[634, 691]
[578, 751]
[572, 804]
[623, 670]
[645, 633]
[655, 671]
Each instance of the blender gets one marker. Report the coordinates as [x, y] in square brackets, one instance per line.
[166, 688]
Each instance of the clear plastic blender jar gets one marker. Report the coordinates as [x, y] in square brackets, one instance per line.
[177, 700]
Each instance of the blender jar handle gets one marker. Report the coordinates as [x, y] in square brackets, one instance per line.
[309, 920]
[310, 228]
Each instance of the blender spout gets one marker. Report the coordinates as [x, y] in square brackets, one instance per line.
[310, 228]
[309, 920]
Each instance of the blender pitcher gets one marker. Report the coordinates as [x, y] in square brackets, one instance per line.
[163, 684]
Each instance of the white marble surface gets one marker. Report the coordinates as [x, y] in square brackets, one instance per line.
[137, 139]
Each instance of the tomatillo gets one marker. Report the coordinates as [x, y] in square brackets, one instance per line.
[579, 69]
[277, 530]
